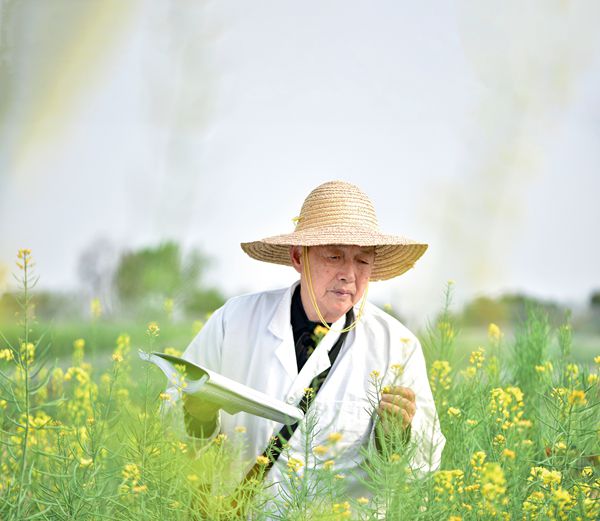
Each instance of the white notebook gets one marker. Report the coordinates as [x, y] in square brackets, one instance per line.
[231, 396]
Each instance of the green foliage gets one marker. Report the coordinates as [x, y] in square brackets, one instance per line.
[146, 278]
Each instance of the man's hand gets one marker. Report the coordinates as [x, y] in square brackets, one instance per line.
[200, 416]
[397, 403]
[201, 410]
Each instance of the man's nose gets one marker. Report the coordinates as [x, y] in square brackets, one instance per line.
[346, 272]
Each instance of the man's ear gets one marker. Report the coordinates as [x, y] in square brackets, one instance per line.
[296, 257]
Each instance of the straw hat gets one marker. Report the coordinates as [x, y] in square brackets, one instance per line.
[340, 213]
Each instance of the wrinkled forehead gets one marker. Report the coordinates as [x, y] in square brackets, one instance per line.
[347, 248]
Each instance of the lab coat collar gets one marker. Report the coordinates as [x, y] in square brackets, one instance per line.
[281, 327]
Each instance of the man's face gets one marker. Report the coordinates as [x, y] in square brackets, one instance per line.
[339, 274]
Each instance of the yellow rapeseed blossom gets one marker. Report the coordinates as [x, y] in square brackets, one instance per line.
[395, 458]
[560, 446]
[339, 476]
[439, 376]
[592, 379]
[477, 358]
[362, 500]
[509, 454]
[79, 344]
[320, 331]
[294, 464]
[220, 438]
[168, 306]
[153, 329]
[240, 429]
[572, 371]
[172, 351]
[446, 330]
[96, 308]
[334, 437]
[494, 332]
[85, 462]
[577, 397]
[454, 412]
[117, 357]
[375, 374]
[165, 397]
[321, 450]
[328, 465]
[471, 423]
[6, 354]
[262, 460]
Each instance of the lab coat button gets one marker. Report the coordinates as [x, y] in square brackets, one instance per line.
[290, 399]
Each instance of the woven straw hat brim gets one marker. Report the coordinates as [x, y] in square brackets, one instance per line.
[394, 255]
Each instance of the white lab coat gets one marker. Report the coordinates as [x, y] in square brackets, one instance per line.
[250, 340]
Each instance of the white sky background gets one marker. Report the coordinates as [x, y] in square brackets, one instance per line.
[472, 126]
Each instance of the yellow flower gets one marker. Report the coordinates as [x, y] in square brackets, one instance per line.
[240, 428]
[165, 397]
[510, 454]
[455, 518]
[220, 439]
[295, 464]
[471, 422]
[597, 359]
[320, 331]
[398, 369]
[117, 357]
[339, 476]
[262, 460]
[79, 344]
[477, 358]
[362, 500]
[587, 472]
[577, 397]
[571, 371]
[454, 412]
[138, 489]
[395, 458]
[494, 332]
[85, 462]
[6, 354]
[405, 340]
[153, 329]
[328, 465]
[375, 374]
[172, 351]
[96, 308]
[334, 437]
[560, 446]
[321, 450]
[592, 379]
[499, 439]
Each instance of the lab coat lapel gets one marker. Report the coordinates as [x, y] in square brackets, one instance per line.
[316, 363]
[281, 327]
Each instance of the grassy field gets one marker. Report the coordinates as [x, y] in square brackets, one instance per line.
[85, 434]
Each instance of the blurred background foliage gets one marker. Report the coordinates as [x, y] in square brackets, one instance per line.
[122, 291]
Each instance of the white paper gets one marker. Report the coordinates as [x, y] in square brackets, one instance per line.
[229, 395]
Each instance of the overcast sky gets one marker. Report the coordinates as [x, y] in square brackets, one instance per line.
[472, 126]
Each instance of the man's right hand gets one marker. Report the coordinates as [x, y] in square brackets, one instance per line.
[200, 416]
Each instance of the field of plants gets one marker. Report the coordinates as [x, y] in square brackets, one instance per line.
[82, 440]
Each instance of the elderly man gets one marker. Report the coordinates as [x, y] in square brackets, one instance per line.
[267, 341]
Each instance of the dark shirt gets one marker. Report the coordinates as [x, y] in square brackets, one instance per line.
[303, 329]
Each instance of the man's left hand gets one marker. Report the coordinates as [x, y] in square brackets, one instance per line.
[398, 403]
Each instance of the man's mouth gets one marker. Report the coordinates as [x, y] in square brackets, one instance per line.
[341, 292]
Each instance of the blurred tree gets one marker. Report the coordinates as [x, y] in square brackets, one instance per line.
[595, 300]
[150, 276]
